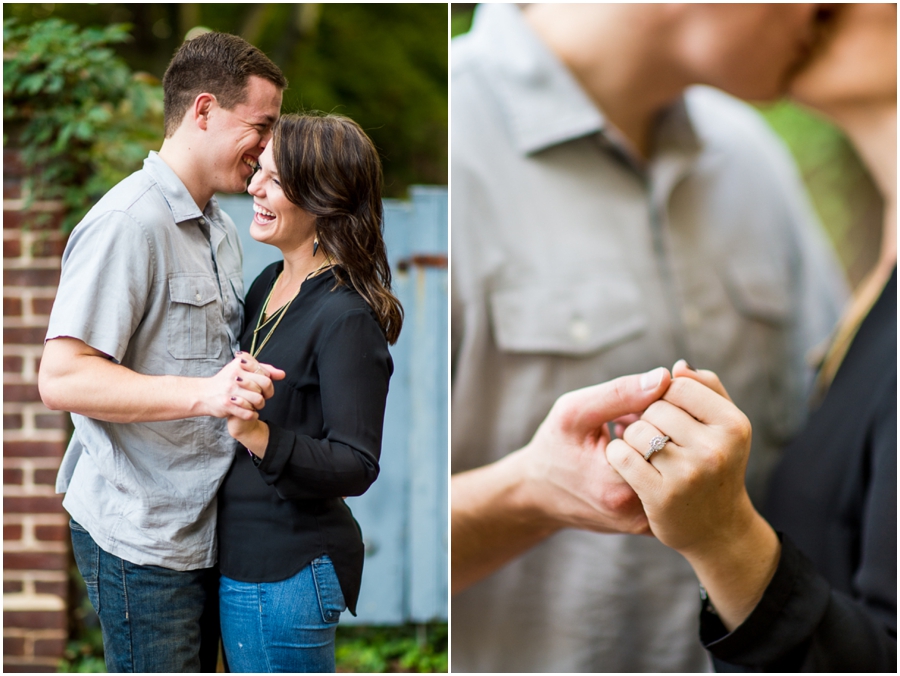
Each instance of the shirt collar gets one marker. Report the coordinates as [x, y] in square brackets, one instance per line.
[543, 102]
[180, 201]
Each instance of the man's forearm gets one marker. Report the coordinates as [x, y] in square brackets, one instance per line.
[492, 520]
[77, 378]
[101, 389]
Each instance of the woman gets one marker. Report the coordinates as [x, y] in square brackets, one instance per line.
[290, 552]
[767, 606]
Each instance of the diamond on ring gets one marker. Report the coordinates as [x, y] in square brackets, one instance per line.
[657, 443]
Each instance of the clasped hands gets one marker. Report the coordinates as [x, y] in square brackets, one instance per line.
[687, 495]
[241, 389]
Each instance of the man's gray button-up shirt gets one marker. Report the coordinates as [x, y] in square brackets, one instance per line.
[143, 283]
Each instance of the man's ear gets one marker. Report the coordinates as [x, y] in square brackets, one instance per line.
[203, 105]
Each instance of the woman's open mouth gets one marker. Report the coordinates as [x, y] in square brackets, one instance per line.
[262, 216]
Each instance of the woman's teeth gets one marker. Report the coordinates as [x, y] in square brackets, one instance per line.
[263, 215]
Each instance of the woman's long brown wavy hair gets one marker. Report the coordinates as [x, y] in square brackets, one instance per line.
[330, 168]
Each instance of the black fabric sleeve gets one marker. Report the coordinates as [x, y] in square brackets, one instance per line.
[801, 623]
[354, 369]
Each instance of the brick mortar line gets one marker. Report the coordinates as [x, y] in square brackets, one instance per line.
[27, 320]
[35, 576]
[22, 263]
[51, 547]
[36, 463]
[32, 490]
[19, 350]
[36, 519]
[36, 407]
[18, 632]
[36, 291]
[18, 203]
[43, 436]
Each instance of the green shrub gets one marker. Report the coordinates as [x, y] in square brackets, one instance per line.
[80, 118]
[408, 648]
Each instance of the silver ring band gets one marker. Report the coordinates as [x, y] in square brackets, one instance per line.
[657, 443]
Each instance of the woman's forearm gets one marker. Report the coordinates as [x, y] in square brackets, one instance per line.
[736, 571]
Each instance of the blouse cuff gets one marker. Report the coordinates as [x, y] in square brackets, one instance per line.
[785, 617]
[278, 452]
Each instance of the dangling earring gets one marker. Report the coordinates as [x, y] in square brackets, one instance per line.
[315, 246]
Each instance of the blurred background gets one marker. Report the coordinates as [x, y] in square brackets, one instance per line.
[82, 107]
[842, 192]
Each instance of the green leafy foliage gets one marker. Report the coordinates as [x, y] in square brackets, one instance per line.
[79, 116]
[384, 65]
[408, 648]
[841, 189]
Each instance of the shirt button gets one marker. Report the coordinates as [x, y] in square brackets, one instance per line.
[579, 330]
[197, 297]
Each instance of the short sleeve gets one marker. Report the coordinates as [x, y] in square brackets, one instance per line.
[107, 273]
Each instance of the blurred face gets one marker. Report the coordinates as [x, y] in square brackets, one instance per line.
[856, 60]
[276, 220]
[748, 50]
[238, 136]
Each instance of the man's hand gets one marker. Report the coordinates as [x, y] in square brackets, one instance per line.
[561, 479]
[569, 480]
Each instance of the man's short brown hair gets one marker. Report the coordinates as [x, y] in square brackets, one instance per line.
[217, 63]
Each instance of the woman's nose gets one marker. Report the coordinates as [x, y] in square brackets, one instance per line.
[254, 187]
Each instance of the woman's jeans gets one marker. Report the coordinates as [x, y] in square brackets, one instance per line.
[153, 619]
[285, 626]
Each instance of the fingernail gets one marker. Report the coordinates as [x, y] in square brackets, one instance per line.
[243, 361]
[689, 366]
[238, 352]
[652, 379]
[234, 399]
[239, 379]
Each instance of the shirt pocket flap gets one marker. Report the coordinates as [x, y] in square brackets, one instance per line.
[759, 291]
[194, 290]
[577, 319]
[237, 284]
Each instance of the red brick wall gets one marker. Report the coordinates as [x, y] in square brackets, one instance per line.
[36, 548]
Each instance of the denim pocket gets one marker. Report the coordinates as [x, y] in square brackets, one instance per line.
[87, 558]
[328, 589]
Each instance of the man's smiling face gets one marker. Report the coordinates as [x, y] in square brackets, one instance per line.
[238, 136]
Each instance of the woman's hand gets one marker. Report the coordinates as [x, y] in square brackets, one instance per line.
[242, 381]
[693, 489]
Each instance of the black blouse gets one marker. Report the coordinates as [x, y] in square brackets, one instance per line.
[832, 604]
[325, 425]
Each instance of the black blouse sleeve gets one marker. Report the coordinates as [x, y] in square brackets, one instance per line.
[354, 369]
[801, 623]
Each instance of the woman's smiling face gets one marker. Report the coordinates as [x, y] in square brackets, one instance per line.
[277, 220]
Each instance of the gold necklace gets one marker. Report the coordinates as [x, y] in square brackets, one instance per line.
[280, 312]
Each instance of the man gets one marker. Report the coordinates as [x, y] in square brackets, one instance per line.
[139, 348]
[608, 219]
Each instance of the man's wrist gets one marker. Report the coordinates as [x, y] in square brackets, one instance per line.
[526, 494]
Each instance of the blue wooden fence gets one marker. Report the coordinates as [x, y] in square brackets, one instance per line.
[404, 515]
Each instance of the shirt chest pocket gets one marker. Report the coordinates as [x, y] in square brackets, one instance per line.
[575, 320]
[194, 322]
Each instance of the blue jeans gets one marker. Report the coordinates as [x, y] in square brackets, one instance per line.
[153, 619]
[282, 627]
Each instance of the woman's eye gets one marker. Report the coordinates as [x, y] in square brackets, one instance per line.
[276, 182]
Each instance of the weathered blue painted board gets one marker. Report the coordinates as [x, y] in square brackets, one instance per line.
[404, 515]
